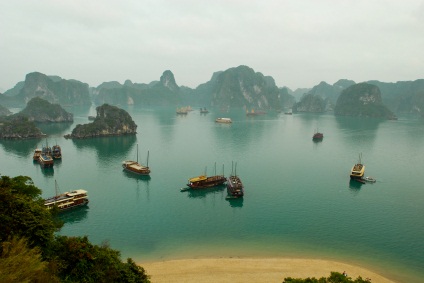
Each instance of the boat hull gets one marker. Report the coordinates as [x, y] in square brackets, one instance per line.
[67, 200]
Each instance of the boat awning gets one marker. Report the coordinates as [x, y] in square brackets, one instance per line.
[197, 179]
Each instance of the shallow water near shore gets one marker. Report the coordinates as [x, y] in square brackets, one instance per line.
[298, 199]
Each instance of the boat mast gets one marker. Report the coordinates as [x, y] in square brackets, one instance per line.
[235, 170]
[137, 153]
[147, 158]
[215, 170]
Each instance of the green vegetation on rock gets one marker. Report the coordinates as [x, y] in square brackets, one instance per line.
[362, 100]
[110, 121]
[335, 277]
[40, 110]
[18, 127]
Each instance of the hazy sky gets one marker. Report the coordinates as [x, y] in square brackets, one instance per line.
[299, 43]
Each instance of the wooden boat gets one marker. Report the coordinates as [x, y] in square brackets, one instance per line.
[318, 136]
[223, 120]
[37, 153]
[182, 111]
[56, 152]
[135, 167]
[235, 188]
[202, 181]
[358, 169]
[45, 160]
[204, 110]
[255, 113]
[67, 200]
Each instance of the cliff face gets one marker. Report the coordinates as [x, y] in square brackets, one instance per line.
[311, 103]
[40, 110]
[242, 87]
[362, 100]
[110, 121]
[4, 111]
[53, 89]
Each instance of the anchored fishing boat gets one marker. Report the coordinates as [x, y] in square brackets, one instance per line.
[358, 170]
[203, 181]
[37, 153]
[235, 188]
[223, 120]
[66, 200]
[135, 167]
[56, 152]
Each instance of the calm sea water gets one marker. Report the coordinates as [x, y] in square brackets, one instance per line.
[298, 198]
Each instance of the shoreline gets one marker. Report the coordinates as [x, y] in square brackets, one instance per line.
[251, 269]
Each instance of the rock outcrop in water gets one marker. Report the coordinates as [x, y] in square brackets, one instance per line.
[110, 121]
[42, 111]
[18, 127]
[362, 100]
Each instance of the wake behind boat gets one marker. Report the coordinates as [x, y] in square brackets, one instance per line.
[135, 167]
[67, 200]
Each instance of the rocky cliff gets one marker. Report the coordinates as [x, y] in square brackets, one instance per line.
[53, 89]
[110, 121]
[362, 100]
[42, 111]
[243, 87]
[311, 103]
[4, 111]
[18, 127]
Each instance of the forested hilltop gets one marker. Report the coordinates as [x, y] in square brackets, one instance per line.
[30, 251]
[240, 87]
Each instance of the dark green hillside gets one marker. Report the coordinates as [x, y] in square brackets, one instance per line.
[40, 110]
[18, 127]
[310, 103]
[362, 100]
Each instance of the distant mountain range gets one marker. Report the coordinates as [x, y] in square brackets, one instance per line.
[235, 87]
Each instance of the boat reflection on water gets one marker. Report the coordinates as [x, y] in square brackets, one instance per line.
[355, 185]
[74, 215]
[130, 175]
[47, 171]
[235, 202]
[203, 193]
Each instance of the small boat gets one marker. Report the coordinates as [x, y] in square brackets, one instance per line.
[36, 156]
[45, 160]
[135, 167]
[182, 111]
[318, 136]
[204, 110]
[370, 180]
[255, 113]
[203, 182]
[56, 152]
[223, 120]
[235, 188]
[67, 200]
[358, 170]
[288, 113]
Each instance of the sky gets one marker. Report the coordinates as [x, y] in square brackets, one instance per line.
[298, 42]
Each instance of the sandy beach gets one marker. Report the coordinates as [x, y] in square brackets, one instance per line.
[250, 270]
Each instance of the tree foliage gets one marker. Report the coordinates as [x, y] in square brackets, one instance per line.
[27, 240]
[335, 277]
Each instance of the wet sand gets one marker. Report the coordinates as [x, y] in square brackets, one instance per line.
[250, 270]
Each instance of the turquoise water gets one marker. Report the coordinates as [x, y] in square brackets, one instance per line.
[298, 198]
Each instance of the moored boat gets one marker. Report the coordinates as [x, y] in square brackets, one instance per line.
[182, 111]
[135, 167]
[204, 110]
[67, 200]
[358, 170]
[37, 153]
[45, 160]
[235, 188]
[203, 181]
[370, 179]
[223, 120]
[56, 152]
[318, 136]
